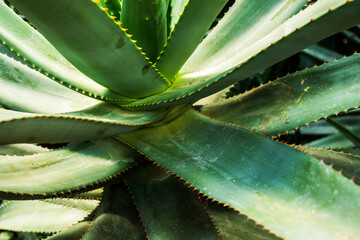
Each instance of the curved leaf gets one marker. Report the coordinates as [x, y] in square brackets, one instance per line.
[21, 149]
[75, 232]
[294, 100]
[86, 34]
[100, 120]
[188, 32]
[276, 185]
[63, 170]
[117, 217]
[38, 216]
[30, 45]
[146, 20]
[293, 35]
[24, 89]
[348, 164]
[167, 208]
[233, 226]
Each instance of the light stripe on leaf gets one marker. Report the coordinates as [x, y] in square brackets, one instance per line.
[63, 170]
[38, 216]
[29, 44]
[24, 89]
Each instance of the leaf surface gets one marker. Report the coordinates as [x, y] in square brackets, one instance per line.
[294, 100]
[292, 35]
[233, 226]
[100, 120]
[117, 217]
[38, 216]
[276, 185]
[167, 208]
[32, 46]
[24, 89]
[348, 164]
[63, 170]
[95, 44]
[188, 32]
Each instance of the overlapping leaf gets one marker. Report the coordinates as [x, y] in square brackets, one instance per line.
[277, 186]
[63, 170]
[85, 34]
[315, 21]
[294, 100]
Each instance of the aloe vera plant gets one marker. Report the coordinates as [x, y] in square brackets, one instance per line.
[118, 79]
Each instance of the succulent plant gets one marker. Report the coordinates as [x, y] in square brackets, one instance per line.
[118, 81]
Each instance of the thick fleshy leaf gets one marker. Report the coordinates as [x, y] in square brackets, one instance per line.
[233, 226]
[21, 149]
[75, 232]
[333, 141]
[100, 120]
[306, 28]
[29, 44]
[87, 205]
[243, 25]
[6, 50]
[63, 170]
[112, 7]
[294, 100]
[321, 53]
[167, 208]
[93, 194]
[322, 127]
[146, 20]
[351, 135]
[117, 217]
[348, 164]
[24, 89]
[189, 31]
[177, 8]
[83, 33]
[38, 216]
[276, 185]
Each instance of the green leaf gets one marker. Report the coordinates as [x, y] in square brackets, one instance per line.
[276, 185]
[87, 205]
[294, 100]
[348, 164]
[146, 20]
[117, 217]
[167, 208]
[177, 8]
[233, 226]
[38, 216]
[53, 172]
[337, 140]
[86, 34]
[94, 194]
[100, 120]
[345, 131]
[29, 44]
[189, 31]
[293, 35]
[24, 89]
[322, 53]
[322, 127]
[74, 232]
[352, 36]
[21, 149]
[112, 7]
